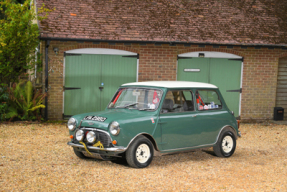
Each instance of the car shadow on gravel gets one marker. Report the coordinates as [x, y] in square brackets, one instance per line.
[116, 161]
[209, 152]
[169, 159]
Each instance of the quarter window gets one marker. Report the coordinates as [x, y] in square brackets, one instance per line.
[207, 100]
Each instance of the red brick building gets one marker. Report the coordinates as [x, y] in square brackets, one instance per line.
[92, 44]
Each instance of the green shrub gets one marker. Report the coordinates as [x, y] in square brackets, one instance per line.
[4, 97]
[25, 103]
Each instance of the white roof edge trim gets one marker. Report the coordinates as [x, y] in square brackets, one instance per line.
[101, 51]
[172, 84]
[211, 54]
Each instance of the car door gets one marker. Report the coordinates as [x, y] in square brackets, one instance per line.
[178, 121]
[211, 115]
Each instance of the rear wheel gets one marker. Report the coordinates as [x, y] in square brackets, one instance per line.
[226, 144]
[140, 153]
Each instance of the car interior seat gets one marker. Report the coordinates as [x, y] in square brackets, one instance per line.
[167, 106]
[188, 106]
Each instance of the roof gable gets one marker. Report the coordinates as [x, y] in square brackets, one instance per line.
[194, 21]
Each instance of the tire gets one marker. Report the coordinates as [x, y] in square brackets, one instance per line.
[80, 154]
[226, 143]
[140, 153]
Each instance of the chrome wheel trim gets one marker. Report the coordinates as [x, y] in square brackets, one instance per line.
[143, 153]
[227, 144]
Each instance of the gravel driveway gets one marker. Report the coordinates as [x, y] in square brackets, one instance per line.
[35, 157]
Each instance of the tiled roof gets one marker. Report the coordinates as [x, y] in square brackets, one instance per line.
[189, 21]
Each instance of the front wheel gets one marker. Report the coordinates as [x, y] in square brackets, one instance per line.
[226, 144]
[140, 153]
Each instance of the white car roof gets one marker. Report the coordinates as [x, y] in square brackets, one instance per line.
[172, 84]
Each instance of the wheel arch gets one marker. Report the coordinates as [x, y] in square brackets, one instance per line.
[226, 127]
[148, 136]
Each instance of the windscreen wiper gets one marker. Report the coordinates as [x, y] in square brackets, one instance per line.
[129, 105]
[145, 109]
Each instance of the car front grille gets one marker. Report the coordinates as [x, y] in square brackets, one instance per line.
[102, 136]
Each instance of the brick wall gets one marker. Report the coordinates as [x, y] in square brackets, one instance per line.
[159, 62]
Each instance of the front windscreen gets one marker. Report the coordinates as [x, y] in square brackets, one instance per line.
[136, 98]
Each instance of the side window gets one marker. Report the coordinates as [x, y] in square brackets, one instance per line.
[178, 101]
[207, 99]
[188, 104]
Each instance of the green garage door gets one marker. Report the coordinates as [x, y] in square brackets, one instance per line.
[224, 73]
[92, 80]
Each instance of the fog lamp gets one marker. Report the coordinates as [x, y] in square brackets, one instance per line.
[91, 137]
[80, 135]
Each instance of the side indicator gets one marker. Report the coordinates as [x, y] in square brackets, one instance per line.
[71, 136]
[114, 142]
[238, 123]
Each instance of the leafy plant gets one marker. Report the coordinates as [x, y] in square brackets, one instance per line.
[4, 97]
[25, 103]
[18, 38]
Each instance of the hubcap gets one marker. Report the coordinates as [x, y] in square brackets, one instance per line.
[143, 153]
[227, 144]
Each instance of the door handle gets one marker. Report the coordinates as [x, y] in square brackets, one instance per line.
[101, 88]
[193, 115]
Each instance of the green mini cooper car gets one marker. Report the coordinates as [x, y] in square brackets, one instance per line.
[144, 119]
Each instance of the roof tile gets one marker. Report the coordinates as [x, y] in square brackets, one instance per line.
[194, 21]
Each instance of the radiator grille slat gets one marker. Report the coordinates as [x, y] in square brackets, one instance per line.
[103, 138]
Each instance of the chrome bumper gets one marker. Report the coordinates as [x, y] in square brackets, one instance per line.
[112, 149]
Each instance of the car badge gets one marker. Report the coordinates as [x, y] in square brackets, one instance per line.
[91, 123]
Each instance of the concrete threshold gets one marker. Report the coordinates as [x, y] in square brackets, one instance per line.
[280, 122]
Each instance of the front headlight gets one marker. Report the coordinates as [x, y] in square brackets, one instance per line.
[91, 137]
[80, 135]
[71, 124]
[114, 128]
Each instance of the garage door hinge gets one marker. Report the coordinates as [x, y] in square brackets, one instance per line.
[66, 116]
[236, 90]
[237, 59]
[183, 57]
[71, 54]
[132, 56]
[70, 88]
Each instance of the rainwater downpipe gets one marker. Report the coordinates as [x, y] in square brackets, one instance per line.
[46, 78]
[36, 59]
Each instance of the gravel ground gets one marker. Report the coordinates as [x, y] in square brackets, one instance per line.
[35, 157]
